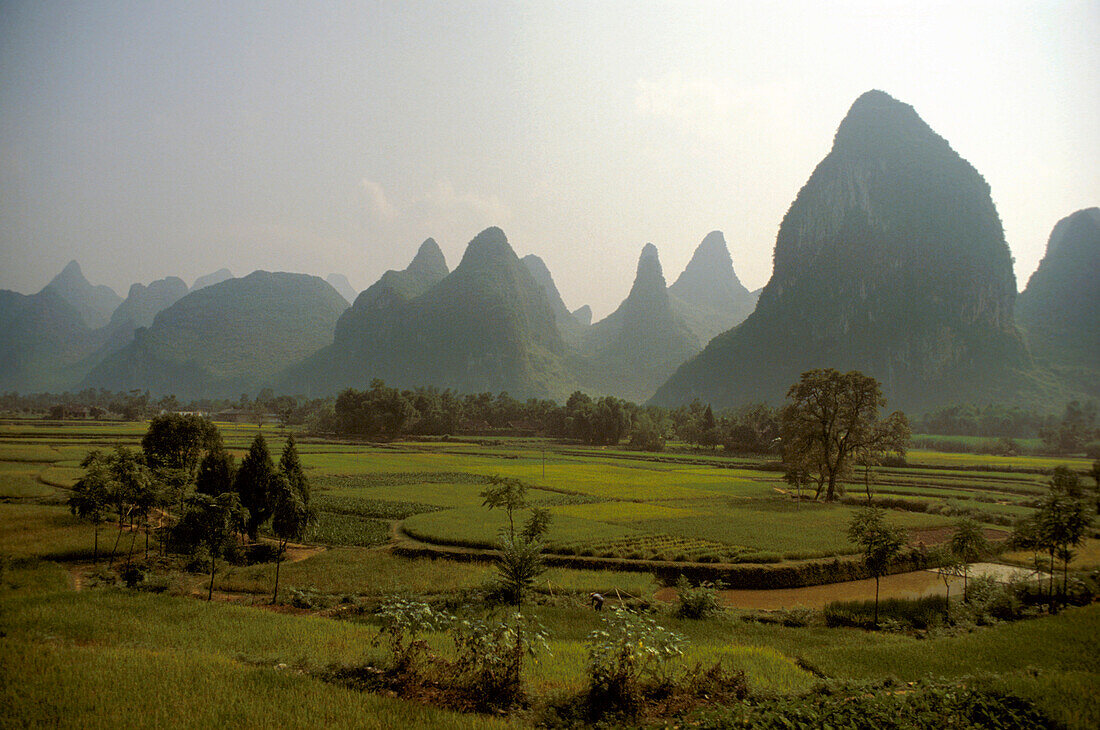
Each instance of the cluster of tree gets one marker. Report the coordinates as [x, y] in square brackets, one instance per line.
[750, 429]
[1069, 431]
[184, 470]
[1060, 524]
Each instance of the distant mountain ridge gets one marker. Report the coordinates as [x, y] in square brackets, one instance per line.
[1059, 311]
[570, 327]
[891, 260]
[708, 294]
[95, 304]
[340, 283]
[226, 338]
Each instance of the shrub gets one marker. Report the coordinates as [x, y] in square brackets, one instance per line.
[696, 602]
[490, 657]
[917, 613]
[403, 623]
[627, 650]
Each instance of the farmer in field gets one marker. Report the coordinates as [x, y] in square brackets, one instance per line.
[597, 601]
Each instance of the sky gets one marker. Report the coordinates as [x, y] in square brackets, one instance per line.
[154, 139]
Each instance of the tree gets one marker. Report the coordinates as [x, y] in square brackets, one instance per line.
[133, 493]
[212, 522]
[217, 472]
[968, 544]
[254, 484]
[173, 447]
[832, 419]
[92, 492]
[291, 516]
[948, 566]
[1095, 473]
[521, 560]
[879, 542]
[290, 466]
[1062, 521]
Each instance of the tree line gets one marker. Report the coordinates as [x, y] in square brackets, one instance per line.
[202, 499]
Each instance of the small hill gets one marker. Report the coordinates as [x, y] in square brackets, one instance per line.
[95, 304]
[210, 279]
[708, 294]
[226, 338]
[570, 327]
[43, 342]
[891, 260]
[636, 347]
[1059, 311]
[486, 326]
[340, 283]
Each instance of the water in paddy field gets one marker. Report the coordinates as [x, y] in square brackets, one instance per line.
[917, 584]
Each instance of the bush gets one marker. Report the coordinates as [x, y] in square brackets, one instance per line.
[696, 602]
[490, 658]
[625, 652]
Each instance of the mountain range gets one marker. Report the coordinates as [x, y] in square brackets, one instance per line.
[890, 260]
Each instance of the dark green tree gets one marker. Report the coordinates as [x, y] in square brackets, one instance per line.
[291, 517]
[521, 560]
[832, 419]
[879, 542]
[290, 466]
[254, 484]
[1062, 521]
[217, 472]
[92, 492]
[212, 523]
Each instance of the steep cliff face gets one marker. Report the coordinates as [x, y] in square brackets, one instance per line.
[890, 260]
[708, 295]
[486, 326]
[632, 350]
[1059, 312]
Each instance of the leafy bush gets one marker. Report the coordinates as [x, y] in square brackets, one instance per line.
[490, 657]
[404, 622]
[696, 602]
[627, 650]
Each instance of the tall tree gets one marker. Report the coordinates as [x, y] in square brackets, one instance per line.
[290, 466]
[879, 542]
[520, 560]
[254, 484]
[173, 446]
[92, 492]
[213, 523]
[134, 490]
[1062, 521]
[291, 516]
[832, 419]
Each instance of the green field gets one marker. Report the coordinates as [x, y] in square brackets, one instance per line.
[78, 650]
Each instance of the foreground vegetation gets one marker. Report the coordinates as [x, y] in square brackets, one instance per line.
[80, 648]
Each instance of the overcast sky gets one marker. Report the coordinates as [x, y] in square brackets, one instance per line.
[151, 139]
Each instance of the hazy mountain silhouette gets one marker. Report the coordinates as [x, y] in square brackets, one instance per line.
[569, 326]
[95, 304]
[340, 283]
[486, 326]
[891, 260]
[226, 338]
[43, 342]
[210, 279]
[143, 303]
[1059, 312]
[583, 315]
[633, 350]
[708, 294]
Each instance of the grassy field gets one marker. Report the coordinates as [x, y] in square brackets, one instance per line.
[105, 656]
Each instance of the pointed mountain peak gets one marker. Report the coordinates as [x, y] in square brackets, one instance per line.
[489, 246]
[340, 283]
[649, 265]
[877, 120]
[71, 271]
[429, 261]
[710, 263]
[583, 315]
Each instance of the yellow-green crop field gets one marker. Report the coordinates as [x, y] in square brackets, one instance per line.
[79, 652]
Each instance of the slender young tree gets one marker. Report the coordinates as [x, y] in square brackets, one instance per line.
[290, 466]
[968, 544]
[254, 484]
[879, 542]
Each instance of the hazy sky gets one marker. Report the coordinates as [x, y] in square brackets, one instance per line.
[150, 139]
